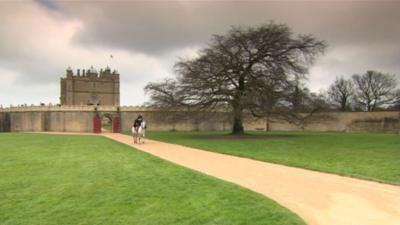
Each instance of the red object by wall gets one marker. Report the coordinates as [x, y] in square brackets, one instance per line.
[96, 124]
[115, 125]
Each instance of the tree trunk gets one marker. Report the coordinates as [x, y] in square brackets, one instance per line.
[237, 122]
[238, 109]
[343, 104]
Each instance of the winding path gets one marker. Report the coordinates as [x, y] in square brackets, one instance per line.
[318, 198]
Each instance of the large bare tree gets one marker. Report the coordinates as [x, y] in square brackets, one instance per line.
[340, 93]
[247, 69]
[374, 89]
[396, 105]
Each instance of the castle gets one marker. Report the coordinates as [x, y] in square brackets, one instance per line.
[90, 87]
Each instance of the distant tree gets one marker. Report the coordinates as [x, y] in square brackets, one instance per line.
[165, 94]
[297, 96]
[396, 101]
[374, 89]
[340, 93]
[242, 69]
[303, 105]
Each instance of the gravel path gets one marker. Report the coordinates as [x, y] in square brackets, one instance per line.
[319, 198]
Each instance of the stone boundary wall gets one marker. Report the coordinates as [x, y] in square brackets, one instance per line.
[4, 122]
[177, 120]
[80, 119]
[374, 122]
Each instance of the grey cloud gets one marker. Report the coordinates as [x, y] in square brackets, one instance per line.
[152, 28]
[155, 27]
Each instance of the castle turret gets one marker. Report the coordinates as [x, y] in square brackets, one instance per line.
[107, 71]
[92, 73]
[116, 74]
[90, 87]
[69, 72]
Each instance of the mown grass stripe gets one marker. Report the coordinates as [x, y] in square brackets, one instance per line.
[51, 179]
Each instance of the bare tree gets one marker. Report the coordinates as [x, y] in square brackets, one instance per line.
[396, 101]
[374, 89]
[297, 96]
[340, 92]
[166, 93]
[243, 68]
[303, 105]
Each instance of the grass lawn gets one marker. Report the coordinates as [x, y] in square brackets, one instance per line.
[50, 179]
[369, 156]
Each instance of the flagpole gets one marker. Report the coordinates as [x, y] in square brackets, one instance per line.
[111, 59]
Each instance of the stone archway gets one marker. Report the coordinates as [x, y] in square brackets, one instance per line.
[107, 123]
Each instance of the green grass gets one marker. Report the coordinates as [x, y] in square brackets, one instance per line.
[49, 179]
[368, 156]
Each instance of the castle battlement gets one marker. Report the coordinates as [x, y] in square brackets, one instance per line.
[90, 87]
[92, 73]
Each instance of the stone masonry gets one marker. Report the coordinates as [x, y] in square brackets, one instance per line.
[90, 87]
[80, 119]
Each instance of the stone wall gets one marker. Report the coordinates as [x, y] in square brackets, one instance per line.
[173, 120]
[91, 88]
[80, 119]
[382, 122]
[4, 122]
[49, 118]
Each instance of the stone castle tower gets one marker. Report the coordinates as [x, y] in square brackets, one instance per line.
[90, 87]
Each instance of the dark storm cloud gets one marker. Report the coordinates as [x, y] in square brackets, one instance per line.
[156, 27]
[361, 35]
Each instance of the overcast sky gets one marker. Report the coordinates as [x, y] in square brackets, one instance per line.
[40, 39]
